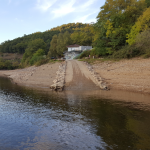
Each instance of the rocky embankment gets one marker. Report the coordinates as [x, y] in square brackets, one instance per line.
[98, 80]
[59, 81]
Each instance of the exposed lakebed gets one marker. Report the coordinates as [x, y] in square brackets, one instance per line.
[71, 120]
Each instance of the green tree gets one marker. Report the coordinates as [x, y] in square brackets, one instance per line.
[38, 55]
[60, 44]
[67, 40]
[32, 47]
[115, 20]
[147, 3]
[142, 24]
[83, 36]
[53, 47]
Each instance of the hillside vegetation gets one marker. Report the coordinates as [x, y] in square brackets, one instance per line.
[19, 44]
[122, 30]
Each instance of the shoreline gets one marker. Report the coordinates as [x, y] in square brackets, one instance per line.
[131, 75]
[41, 76]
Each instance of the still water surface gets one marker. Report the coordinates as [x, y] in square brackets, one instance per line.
[34, 120]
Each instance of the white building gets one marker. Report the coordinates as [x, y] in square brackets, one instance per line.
[76, 47]
[75, 50]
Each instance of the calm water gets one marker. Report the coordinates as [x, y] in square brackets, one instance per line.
[34, 120]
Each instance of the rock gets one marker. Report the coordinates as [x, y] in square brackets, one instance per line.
[97, 79]
[60, 78]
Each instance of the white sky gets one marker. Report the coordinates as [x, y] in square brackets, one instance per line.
[19, 17]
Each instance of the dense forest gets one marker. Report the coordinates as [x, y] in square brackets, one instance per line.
[122, 30]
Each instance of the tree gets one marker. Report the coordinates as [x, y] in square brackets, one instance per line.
[53, 47]
[62, 41]
[142, 24]
[20, 47]
[60, 44]
[67, 40]
[32, 47]
[83, 36]
[38, 55]
[147, 3]
[115, 20]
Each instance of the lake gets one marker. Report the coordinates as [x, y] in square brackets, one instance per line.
[39, 119]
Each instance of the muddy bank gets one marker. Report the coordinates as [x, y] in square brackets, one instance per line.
[130, 75]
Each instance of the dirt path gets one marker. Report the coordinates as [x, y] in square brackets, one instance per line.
[78, 77]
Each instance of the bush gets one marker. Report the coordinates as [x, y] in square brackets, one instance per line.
[85, 54]
[37, 56]
[35, 59]
[9, 64]
[41, 62]
[141, 47]
[93, 52]
[143, 42]
[127, 52]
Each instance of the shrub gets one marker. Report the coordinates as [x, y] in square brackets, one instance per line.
[9, 64]
[140, 47]
[127, 52]
[93, 52]
[35, 59]
[85, 54]
[143, 41]
[41, 62]
[37, 56]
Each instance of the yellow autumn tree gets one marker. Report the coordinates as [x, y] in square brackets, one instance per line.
[142, 24]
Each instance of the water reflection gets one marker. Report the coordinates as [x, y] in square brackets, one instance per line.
[35, 119]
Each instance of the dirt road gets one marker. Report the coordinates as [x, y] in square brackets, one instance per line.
[78, 77]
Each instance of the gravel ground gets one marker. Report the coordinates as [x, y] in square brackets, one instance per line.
[130, 75]
[41, 76]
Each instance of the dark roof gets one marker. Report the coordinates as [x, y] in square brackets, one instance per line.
[75, 45]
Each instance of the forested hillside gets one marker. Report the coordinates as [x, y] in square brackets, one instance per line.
[19, 44]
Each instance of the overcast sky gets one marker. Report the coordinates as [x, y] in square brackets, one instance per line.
[19, 17]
